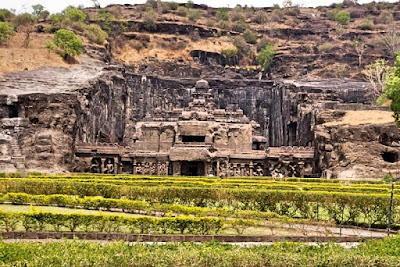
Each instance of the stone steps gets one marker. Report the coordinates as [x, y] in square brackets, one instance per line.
[17, 159]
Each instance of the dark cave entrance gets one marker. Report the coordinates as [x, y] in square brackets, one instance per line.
[390, 156]
[192, 168]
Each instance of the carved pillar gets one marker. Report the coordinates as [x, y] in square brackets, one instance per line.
[134, 165]
[176, 168]
[116, 165]
[217, 172]
[102, 167]
[251, 166]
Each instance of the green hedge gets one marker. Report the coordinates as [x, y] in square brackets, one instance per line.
[41, 221]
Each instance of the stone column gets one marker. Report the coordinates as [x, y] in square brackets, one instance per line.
[102, 167]
[251, 166]
[134, 165]
[116, 166]
[176, 168]
[217, 172]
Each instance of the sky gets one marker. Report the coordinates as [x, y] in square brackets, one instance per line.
[54, 6]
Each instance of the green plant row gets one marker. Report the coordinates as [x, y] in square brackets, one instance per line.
[130, 206]
[365, 208]
[383, 253]
[194, 184]
[44, 221]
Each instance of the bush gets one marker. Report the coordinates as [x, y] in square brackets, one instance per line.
[194, 15]
[6, 32]
[240, 26]
[74, 14]
[241, 45]
[149, 20]
[68, 42]
[5, 14]
[266, 57]
[106, 18]
[56, 19]
[172, 5]
[260, 17]
[182, 11]
[292, 11]
[237, 14]
[343, 17]
[324, 48]
[96, 34]
[222, 14]
[230, 52]
[385, 17]
[250, 36]
[330, 14]
[366, 24]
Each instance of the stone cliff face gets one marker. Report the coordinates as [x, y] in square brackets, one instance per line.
[40, 126]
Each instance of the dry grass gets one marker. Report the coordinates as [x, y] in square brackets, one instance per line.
[357, 117]
[15, 57]
[158, 48]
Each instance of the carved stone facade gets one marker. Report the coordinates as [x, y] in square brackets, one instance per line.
[199, 140]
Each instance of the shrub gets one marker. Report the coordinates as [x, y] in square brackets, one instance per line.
[240, 26]
[74, 14]
[230, 52]
[260, 17]
[222, 14]
[224, 25]
[324, 48]
[210, 23]
[262, 43]
[292, 11]
[106, 18]
[343, 17]
[56, 19]
[266, 57]
[241, 44]
[149, 20]
[68, 42]
[330, 14]
[189, 4]
[6, 32]
[194, 15]
[366, 24]
[172, 5]
[182, 11]
[237, 14]
[276, 15]
[5, 14]
[96, 34]
[250, 36]
[385, 17]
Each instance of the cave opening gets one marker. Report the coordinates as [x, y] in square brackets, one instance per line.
[13, 112]
[193, 139]
[390, 156]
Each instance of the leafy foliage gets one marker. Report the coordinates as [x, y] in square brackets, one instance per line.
[5, 14]
[266, 57]
[96, 34]
[222, 14]
[74, 15]
[392, 91]
[6, 32]
[343, 17]
[68, 42]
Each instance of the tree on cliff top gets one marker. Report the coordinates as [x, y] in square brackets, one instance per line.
[69, 43]
[392, 91]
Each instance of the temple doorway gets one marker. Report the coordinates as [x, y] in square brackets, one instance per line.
[192, 168]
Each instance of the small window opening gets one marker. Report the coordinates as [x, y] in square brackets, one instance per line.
[193, 139]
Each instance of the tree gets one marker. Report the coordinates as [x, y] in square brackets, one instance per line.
[6, 32]
[391, 39]
[37, 10]
[392, 91]
[377, 74]
[360, 48]
[149, 20]
[96, 3]
[5, 14]
[68, 42]
[50, 46]
[266, 57]
[25, 23]
[343, 17]
[73, 14]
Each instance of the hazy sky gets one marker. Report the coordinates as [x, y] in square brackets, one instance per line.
[58, 5]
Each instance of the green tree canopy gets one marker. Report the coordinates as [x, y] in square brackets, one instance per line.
[392, 91]
[343, 17]
[6, 31]
[266, 56]
[70, 44]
